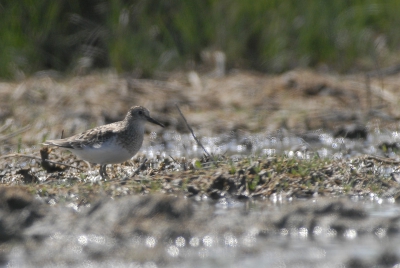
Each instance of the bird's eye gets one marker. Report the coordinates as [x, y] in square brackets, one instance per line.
[140, 112]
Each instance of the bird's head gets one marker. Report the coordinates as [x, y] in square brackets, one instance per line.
[140, 113]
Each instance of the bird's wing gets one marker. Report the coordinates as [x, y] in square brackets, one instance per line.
[90, 138]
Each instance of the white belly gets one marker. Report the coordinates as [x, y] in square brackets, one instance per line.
[107, 153]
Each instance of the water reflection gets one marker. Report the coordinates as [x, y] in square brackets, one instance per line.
[325, 144]
[180, 242]
[243, 230]
[350, 234]
[194, 241]
[150, 242]
[307, 146]
[173, 251]
[261, 233]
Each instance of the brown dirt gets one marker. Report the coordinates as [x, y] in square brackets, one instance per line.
[42, 108]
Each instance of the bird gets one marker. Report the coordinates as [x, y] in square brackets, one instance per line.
[109, 144]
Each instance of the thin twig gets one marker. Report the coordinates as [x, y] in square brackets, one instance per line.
[139, 168]
[6, 125]
[191, 130]
[369, 94]
[383, 160]
[17, 132]
[20, 155]
[173, 159]
[59, 163]
[182, 165]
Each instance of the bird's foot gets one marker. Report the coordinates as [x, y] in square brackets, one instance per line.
[103, 172]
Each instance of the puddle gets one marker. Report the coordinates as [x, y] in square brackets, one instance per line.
[298, 247]
[361, 231]
[139, 232]
[269, 144]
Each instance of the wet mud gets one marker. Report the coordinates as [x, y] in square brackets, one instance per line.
[165, 231]
[301, 169]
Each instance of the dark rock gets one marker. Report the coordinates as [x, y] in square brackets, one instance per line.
[314, 89]
[243, 196]
[388, 147]
[27, 177]
[252, 170]
[357, 263]
[218, 183]
[388, 259]
[247, 143]
[146, 207]
[395, 176]
[232, 186]
[311, 137]
[14, 198]
[353, 131]
[342, 210]
[46, 165]
[216, 194]
[337, 215]
[193, 189]
[18, 210]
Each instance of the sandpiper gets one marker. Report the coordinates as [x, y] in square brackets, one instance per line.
[109, 144]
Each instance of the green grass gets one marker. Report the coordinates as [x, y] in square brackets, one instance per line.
[253, 176]
[146, 36]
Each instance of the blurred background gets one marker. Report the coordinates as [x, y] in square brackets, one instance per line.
[316, 80]
[146, 36]
[277, 68]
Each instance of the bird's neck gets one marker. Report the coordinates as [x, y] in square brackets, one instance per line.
[135, 126]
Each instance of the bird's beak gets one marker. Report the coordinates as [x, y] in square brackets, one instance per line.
[151, 120]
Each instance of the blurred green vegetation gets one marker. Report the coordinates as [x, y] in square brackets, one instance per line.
[147, 35]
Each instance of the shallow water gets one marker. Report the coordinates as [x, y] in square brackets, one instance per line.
[297, 247]
[268, 144]
[235, 233]
[230, 234]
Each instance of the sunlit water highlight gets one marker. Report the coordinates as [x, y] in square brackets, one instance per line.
[287, 247]
[230, 244]
[266, 144]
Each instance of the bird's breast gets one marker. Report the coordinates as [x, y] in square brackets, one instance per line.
[105, 153]
[132, 140]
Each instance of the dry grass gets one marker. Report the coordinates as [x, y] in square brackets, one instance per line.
[244, 178]
[42, 108]
[38, 108]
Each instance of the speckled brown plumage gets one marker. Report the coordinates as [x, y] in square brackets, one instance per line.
[112, 143]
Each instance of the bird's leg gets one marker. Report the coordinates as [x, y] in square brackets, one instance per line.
[103, 172]
[140, 167]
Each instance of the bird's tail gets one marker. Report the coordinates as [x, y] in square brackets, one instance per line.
[59, 143]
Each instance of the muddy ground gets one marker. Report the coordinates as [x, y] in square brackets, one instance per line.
[166, 231]
[145, 205]
[300, 103]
